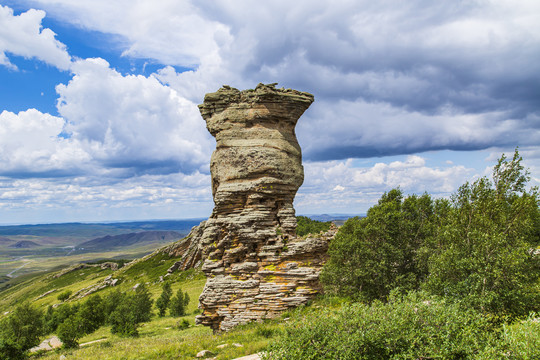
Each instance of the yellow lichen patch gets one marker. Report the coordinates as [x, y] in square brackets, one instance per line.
[270, 267]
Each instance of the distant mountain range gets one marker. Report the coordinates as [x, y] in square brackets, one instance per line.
[331, 217]
[130, 239]
[92, 230]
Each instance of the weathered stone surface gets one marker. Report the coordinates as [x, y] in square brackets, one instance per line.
[108, 281]
[255, 264]
[48, 344]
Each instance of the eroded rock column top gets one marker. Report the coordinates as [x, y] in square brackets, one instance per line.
[257, 158]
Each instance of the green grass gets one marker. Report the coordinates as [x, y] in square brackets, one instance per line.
[159, 339]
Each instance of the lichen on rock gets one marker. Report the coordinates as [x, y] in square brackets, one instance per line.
[255, 265]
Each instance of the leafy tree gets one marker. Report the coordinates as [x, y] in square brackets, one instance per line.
[20, 331]
[162, 303]
[416, 326]
[371, 256]
[111, 302]
[131, 310]
[179, 303]
[306, 226]
[70, 331]
[10, 350]
[91, 314]
[484, 254]
[54, 317]
[124, 319]
[142, 304]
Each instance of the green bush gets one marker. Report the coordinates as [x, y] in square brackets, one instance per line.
[130, 311]
[70, 331]
[63, 296]
[124, 319]
[416, 326]
[477, 248]
[162, 303]
[10, 350]
[91, 314]
[111, 302]
[20, 331]
[179, 303]
[142, 304]
[518, 341]
[483, 253]
[182, 325]
[371, 256]
[54, 317]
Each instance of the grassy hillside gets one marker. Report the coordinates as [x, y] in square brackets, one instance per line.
[159, 338]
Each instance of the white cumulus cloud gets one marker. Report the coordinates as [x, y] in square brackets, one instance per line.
[323, 189]
[30, 145]
[132, 122]
[23, 35]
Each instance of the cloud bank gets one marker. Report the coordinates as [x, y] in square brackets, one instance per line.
[389, 80]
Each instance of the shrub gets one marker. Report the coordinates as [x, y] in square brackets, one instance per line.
[517, 341]
[412, 327]
[182, 325]
[483, 254]
[63, 296]
[130, 311]
[70, 332]
[124, 319]
[162, 303]
[142, 304]
[477, 248]
[179, 303]
[20, 331]
[111, 302]
[371, 256]
[91, 314]
[10, 350]
[54, 317]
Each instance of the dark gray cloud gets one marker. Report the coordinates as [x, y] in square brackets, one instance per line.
[423, 64]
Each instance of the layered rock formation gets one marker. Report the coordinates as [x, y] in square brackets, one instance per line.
[255, 264]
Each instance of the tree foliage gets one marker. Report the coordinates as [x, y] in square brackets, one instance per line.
[479, 247]
[485, 252]
[179, 303]
[416, 326]
[70, 331]
[20, 331]
[91, 314]
[130, 311]
[163, 302]
[371, 256]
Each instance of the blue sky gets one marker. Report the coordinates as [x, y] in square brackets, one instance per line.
[98, 99]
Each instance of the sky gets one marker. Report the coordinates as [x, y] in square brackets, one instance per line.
[98, 99]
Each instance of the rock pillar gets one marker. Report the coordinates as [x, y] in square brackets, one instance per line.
[255, 264]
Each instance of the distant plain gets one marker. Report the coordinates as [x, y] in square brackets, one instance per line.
[57, 245]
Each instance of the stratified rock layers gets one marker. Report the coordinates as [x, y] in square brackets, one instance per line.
[256, 267]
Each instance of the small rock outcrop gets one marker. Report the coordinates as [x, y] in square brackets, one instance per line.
[255, 265]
